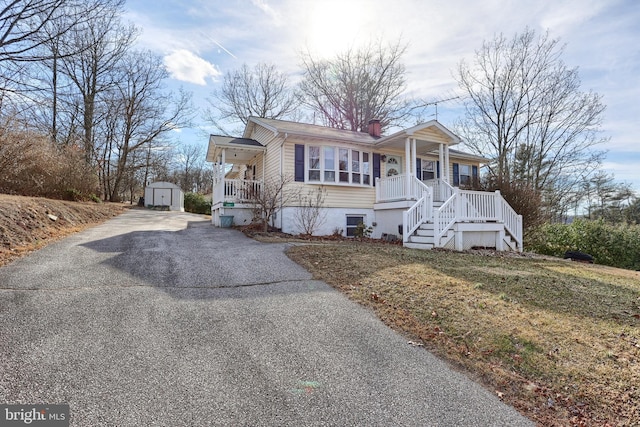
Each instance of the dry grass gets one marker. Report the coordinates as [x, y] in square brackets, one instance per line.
[559, 341]
[25, 224]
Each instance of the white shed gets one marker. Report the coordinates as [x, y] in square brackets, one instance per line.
[164, 195]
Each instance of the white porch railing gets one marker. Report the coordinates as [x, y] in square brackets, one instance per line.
[394, 188]
[391, 188]
[441, 189]
[458, 206]
[477, 206]
[235, 190]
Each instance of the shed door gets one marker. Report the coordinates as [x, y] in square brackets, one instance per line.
[162, 196]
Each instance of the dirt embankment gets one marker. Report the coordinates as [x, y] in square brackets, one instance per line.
[28, 223]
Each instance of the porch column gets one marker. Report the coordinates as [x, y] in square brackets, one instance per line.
[446, 160]
[413, 157]
[407, 169]
[443, 175]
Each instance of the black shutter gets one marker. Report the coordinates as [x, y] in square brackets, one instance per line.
[474, 177]
[438, 169]
[376, 167]
[299, 162]
[419, 169]
[456, 175]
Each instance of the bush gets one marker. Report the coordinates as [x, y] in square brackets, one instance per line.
[197, 203]
[613, 245]
[524, 199]
[31, 165]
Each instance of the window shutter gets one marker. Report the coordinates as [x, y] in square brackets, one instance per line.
[376, 167]
[474, 176]
[299, 163]
[456, 175]
[419, 169]
[438, 169]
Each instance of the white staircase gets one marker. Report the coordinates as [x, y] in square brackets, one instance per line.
[424, 236]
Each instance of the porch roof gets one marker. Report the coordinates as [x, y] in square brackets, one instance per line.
[310, 131]
[428, 136]
[238, 150]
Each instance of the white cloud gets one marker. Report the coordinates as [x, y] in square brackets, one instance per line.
[262, 5]
[188, 67]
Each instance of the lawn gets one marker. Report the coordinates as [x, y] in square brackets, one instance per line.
[559, 341]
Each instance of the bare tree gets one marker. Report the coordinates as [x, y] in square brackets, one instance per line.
[24, 25]
[143, 112]
[525, 110]
[309, 214]
[357, 86]
[262, 92]
[103, 41]
[190, 160]
[267, 201]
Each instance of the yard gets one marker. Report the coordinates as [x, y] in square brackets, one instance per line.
[559, 341]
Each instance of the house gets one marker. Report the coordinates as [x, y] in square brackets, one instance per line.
[410, 184]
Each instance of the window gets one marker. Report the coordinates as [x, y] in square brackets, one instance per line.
[338, 165]
[314, 163]
[465, 175]
[428, 170]
[352, 222]
[329, 164]
[366, 174]
[355, 167]
[343, 154]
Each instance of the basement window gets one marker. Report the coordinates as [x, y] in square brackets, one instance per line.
[352, 223]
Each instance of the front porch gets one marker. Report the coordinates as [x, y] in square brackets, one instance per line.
[437, 215]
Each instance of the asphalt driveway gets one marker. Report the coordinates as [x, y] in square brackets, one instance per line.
[158, 318]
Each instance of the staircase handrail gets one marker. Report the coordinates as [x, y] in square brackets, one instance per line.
[445, 217]
[417, 214]
[512, 222]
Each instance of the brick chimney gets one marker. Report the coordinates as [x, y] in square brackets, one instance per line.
[374, 128]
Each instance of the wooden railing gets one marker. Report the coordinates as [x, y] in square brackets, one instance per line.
[444, 218]
[394, 188]
[512, 224]
[477, 206]
[391, 188]
[441, 189]
[458, 206]
[235, 190]
[417, 214]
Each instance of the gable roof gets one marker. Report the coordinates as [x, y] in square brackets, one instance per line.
[423, 131]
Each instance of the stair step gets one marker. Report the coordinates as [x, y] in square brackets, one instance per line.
[412, 245]
[425, 232]
[421, 239]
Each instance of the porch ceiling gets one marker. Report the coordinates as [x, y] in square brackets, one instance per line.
[237, 150]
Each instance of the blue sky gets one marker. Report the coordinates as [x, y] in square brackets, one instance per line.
[201, 40]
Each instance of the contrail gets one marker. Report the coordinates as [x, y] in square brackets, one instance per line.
[223, 48]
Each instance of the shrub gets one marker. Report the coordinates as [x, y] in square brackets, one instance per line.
[31, 165]
[524, 199]
[197, 203]
[362, 231]
[613, 245]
